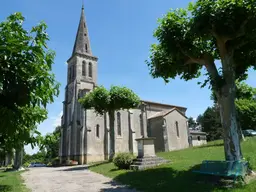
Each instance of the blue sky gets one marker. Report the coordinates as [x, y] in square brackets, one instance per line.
[121, 32]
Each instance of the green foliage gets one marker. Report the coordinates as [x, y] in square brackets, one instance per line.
[245, 91]
[27, 84]
[98, 99]
[191, 122]
[117, 98]
[245, 105]
[55, 161]
[193, 38]
[246, 110]
[37, 157]
[50, 142]
[189, 39]
[246, 113]
[199, 119]
[123, 160]
[104, 101]
[26, 164]
[25, 121]
[211, 123]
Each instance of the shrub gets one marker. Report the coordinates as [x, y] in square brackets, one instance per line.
[49, 164]
[123, 160]
[26, 164]
[55, 161]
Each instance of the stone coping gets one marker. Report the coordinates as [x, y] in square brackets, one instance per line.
[197, 133]
[145, 138]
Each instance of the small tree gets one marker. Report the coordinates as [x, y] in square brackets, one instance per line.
[104, 101]
[193, 38]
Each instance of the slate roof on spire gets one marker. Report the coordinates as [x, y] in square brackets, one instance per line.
[82, 42]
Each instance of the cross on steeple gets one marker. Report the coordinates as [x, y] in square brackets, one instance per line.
[82, 42]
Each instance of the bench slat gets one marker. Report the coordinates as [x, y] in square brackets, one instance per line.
[223, 168]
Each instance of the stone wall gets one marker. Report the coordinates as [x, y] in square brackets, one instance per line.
[156, 130]
[198, 138]
[176, 140]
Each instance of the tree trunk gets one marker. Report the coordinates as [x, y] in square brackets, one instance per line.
[226, 100]
[18, 158]
[112, 134]
[106, 139]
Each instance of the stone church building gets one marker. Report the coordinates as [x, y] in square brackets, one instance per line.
[85, 136]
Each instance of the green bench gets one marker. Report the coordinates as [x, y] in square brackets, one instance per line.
[229, 169]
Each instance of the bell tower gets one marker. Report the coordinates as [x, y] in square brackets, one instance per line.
[81, 78]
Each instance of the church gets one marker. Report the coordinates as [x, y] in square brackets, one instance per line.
[85, 136]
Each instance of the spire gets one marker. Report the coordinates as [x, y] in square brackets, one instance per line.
[82, 43]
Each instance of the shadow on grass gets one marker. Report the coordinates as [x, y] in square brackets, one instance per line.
[5, 188]
[113, 170]
[169, 179]
[211, 145]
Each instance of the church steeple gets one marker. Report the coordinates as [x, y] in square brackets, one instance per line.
[82, 42]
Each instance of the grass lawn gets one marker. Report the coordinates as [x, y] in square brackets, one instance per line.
[11, 182]
[177, 176]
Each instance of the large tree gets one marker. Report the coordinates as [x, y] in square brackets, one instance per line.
[109, 101]
[27, 83]
[193, 38]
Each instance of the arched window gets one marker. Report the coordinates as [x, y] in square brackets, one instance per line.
[118, 119]
[83, 68]
[86, 47]
[98, 130]
[141, 125]
[198, 138]
[90, 69]
[177, 128]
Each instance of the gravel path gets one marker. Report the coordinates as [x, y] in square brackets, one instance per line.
[70, 179]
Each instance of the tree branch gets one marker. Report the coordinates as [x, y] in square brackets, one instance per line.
[239, 44]
[241, 31]
[221, 41]
[211, 67]
[191, 59]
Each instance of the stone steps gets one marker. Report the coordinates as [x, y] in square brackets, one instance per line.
[148, 159]
[147, 162]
